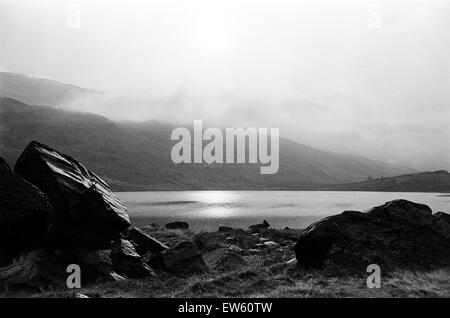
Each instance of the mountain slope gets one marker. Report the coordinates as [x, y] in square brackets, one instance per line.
[38, 91]
[136, 156]
[429, 181]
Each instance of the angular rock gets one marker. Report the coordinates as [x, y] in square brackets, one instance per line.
[86, 213]
[223, 260]
[397, 235]
[24, 214]
[235, 249]
[143, 242]
[126, 261]
[256, 228]
[177, 226]
[183, 258]
[37, 269]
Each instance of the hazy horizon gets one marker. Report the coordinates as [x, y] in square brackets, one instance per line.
[370, 78]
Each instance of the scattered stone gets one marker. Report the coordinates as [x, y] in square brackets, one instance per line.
[271, 244]
[235, 248]
[126, 261]
[229, 239]
[396, 235]
[24, 214]
[223, 260]
[207, 241]
[257, 228]
[169, 238]
[143, 242]
[225, 229]
[177, 226]
[254, 251]
[183, 258]
[86, 213]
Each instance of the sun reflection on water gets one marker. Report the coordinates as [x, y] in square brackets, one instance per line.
[218, 204]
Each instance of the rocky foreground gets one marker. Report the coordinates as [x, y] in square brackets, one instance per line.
[54, 213]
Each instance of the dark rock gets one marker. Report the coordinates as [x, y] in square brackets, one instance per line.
[225, 229]
[37, 269]
[143, 242]
[24, 214]
[257, 228]
[441, 222]
[86, 213]
[224, 259]
[183, 258]
[126, 261]
[177, 226]
[209, 241]
[398, 234]
[95, 265]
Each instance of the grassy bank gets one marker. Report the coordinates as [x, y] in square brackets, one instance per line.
[271, 272]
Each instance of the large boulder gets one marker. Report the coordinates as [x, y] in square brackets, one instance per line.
[24, 214]
[86, 213]
[183, 258]
[398, 234]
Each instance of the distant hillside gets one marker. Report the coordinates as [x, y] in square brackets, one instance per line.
[433, 181]
[38, 91]
[136, 156]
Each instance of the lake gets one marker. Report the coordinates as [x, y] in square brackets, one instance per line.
[207, 210]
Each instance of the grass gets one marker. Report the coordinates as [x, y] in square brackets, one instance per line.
[268, 274]
[279, 280]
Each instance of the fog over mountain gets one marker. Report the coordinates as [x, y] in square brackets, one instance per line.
[370, 78]
[136, 155]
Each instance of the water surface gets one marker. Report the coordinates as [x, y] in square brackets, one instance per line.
[206, 210]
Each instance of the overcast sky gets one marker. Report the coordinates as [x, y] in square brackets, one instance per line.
[365, 77]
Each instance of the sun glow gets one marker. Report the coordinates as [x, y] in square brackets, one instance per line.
[212, 38]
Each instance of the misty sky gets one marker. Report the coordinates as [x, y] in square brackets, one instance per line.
[365, 77]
